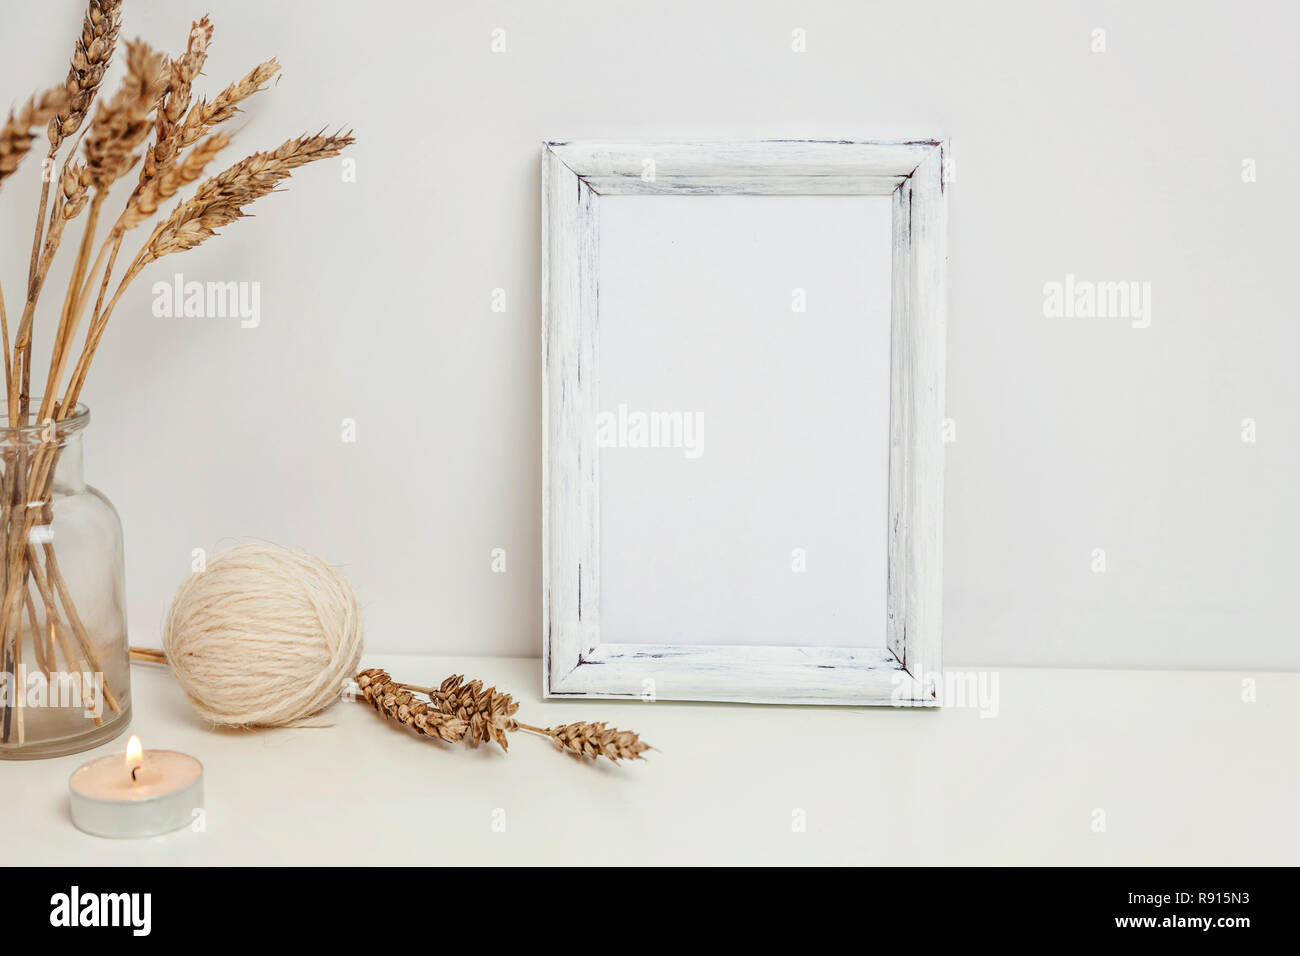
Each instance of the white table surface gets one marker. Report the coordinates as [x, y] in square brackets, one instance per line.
[1185, 771]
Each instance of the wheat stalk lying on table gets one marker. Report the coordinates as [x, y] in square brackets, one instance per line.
[457, 711]
[156, 122]
[403, 707]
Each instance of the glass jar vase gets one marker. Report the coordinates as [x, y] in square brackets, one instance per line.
[64, 658]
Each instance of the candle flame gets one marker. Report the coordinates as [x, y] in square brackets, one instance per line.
[134, 753]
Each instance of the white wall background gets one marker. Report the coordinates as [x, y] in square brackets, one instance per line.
[1072, 434]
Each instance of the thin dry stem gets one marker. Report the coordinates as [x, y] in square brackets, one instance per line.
[4, 331]
[38, 635]
[69, 318]
[68, 203]
[19, 722]
[51, 585]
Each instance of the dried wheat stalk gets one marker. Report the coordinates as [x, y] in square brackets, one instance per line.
[69, 201]
[401, 706]
[167, 182]
[204, 115]
[123, 123]
[16, 137]
[90, 60]
[19, 131]
[153, 82]
[119, 127]
[220, 200]
[181, 74]
[488, 714]
[597, 740]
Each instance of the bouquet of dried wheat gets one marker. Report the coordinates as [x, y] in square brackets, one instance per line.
[156, 122]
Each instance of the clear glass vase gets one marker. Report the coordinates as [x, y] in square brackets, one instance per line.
[64, 658]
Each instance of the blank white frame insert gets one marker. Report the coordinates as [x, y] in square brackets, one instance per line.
[664, 319]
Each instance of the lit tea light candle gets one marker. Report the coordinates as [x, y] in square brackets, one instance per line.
[139, 793]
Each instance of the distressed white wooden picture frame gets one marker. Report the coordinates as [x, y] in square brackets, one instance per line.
[905, 669]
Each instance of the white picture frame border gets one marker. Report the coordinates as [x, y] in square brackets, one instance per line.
[576, 663]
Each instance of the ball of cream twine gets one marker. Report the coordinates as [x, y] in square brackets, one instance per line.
[264, 636]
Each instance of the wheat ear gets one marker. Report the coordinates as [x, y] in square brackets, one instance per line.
[175, 102]
[90, 60]
[124, 122]
[221, 199]
[225, 105]
[594, 740]
[488, 712]
[161, 176]
[495, 710]
[401, 706]
[19, 130]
